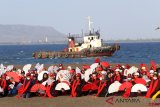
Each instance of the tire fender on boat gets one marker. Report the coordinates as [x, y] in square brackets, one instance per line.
[47, 55]
[51, 56]
[33, 54]
[66, 55]
[59, 55]
[39, 55]
[72, 56]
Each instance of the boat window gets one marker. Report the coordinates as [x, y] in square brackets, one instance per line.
[70, 50]
[92, 38]
[88, 38]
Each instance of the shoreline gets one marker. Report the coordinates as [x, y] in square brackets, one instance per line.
[20, 66]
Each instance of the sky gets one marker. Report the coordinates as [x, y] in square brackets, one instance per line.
[117, 19]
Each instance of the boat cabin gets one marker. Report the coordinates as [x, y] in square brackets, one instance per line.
[90, 40]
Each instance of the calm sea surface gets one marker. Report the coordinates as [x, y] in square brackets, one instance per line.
[129, 53]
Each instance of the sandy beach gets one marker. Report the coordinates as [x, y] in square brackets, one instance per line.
[67, 101]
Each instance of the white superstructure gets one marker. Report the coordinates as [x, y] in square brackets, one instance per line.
[90, 40]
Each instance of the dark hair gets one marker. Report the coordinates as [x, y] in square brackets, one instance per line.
[158, 70]
[22, 72]
[45, 78]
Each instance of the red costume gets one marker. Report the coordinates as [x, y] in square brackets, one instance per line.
[101, 87]
[127, 93]
[3, 84]
[24, 87]
[153, 88]
[74, 87]
[117, 78]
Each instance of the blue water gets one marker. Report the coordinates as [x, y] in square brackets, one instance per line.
[129, 53]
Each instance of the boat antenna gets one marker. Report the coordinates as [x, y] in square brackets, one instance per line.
[82, 32]
[89, 23]
[99, 29]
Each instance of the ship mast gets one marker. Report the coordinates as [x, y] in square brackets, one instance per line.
[89, 23]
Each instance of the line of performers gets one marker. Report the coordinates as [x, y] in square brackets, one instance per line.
[88, 80]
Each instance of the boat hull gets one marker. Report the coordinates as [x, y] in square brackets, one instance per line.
[92, 52]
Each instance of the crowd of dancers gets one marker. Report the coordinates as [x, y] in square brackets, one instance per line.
[99, 79]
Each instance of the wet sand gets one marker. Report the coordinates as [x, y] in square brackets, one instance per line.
[67, 101]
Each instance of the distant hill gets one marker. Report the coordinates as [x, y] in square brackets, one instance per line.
[29, 34]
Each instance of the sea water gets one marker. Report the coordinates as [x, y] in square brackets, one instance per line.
[129, 53]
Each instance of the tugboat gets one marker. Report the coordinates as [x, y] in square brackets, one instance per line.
[91, 46]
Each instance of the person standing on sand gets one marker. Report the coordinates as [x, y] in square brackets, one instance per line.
[22, 76]
[12, 87]
[91, 86]
[117, 76]
[102, 88]
[128, 90]
[50, 86]
[4, 85]
[84, 68]
[77, 86]
[154, 86]
[24, 91]
[61, 67]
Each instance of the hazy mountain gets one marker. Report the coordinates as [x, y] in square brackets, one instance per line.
[29, 34]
